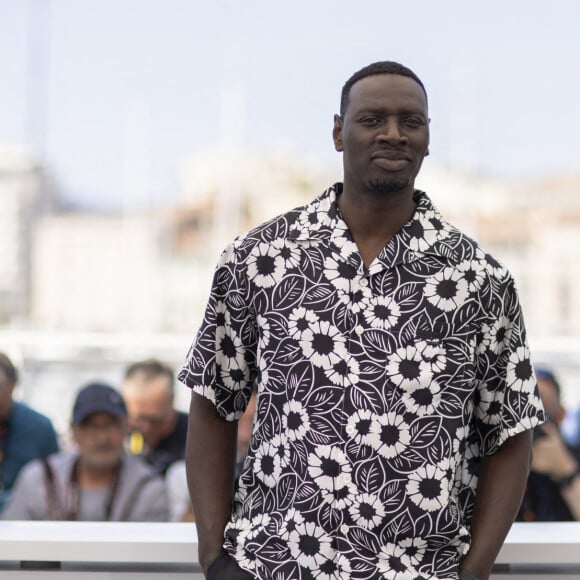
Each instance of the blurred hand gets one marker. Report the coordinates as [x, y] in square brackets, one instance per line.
[550, 454]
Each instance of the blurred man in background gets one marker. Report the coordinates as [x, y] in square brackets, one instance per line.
[99, 482]
[553, 488]
[24, 433]
[159, 431]
[180, 506]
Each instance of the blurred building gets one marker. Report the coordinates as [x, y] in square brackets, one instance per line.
[95, 272]
[24, 197]
[231, 192]
[108, 289]
[151, 271]
[533, 228]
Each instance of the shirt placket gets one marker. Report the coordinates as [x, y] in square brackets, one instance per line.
[355, 300]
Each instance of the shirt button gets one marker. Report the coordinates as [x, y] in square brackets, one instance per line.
[354, 380]
[359, 329]
[346, 478]
[351, 429]
[364, 282]
[344, 529]
[344, 299]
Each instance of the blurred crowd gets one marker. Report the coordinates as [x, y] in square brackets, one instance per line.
[126, 457]
[125, 460]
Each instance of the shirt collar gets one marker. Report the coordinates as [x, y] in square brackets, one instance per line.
[426, 233]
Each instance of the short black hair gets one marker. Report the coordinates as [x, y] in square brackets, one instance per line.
[384, 67]
[8, 369]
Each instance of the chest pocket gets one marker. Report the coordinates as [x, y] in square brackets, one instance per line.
[433, 374]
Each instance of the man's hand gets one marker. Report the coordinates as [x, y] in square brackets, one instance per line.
[552, 458]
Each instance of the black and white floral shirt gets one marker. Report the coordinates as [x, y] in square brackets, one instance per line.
[379, 390]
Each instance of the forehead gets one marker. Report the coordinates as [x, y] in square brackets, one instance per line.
[140, 392]
[143, 385]
[387, 92]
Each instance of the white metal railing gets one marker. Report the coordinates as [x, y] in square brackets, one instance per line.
[541, 550]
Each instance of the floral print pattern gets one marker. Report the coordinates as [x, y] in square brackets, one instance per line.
[380, 389]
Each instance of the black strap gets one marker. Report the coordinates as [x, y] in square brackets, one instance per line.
[55, 506]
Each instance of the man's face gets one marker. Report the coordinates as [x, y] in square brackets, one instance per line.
[150, 407]
[384, 134]
[100, 439]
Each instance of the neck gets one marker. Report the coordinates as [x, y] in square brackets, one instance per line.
[373, 218]
[91, 477]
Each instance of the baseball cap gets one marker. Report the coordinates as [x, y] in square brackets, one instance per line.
[97, 398]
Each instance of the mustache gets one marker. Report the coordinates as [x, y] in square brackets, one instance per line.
[391, 153]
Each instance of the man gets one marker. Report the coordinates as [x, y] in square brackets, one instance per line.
[24, 433]
[158, 429]
[395, 394]
[553, 488]
[96, 483]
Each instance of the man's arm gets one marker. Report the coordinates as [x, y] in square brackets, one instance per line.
[210, 457]
[502, 480]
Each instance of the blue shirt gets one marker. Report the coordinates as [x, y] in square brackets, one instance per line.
[30, 436]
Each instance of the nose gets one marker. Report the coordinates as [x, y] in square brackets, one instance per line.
[391, 132]
[102, 436]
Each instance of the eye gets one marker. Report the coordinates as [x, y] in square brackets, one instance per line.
[369, 121]
[413, 122]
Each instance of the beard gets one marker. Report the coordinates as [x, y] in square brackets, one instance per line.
[102, 458]
[392, 185]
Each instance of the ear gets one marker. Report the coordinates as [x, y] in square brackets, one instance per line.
[337, 133]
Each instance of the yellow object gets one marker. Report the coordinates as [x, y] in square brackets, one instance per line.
[136, 443]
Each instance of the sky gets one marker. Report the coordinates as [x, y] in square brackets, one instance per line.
[90, 84]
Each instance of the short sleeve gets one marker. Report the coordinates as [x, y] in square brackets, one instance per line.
[507, 401]
[221, 362]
